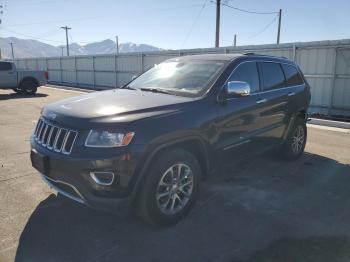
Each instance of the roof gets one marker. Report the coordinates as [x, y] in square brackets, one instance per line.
[223, 57]
[207, 57]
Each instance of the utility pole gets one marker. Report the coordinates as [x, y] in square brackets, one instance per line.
[279, 26]
[62, 48]
[235, 41]
[13, 56]
[217, 33]
[66, 28]
[117, 44]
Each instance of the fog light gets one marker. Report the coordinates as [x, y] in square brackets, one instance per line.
[103, 178]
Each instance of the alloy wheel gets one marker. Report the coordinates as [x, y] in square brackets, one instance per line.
[174, 189]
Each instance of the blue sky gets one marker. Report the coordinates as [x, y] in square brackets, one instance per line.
[167, 24]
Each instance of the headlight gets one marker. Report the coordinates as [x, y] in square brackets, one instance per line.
[108, 139]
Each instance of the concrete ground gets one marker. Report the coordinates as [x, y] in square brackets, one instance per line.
[263, 209]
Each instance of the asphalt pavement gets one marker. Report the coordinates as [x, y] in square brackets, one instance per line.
[260, 209]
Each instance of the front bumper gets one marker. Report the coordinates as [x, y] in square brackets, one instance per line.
[70, 175]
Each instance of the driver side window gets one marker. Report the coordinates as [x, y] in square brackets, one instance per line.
[247, 72]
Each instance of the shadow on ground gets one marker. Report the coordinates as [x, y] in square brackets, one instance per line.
[20, 96]
[270, 211]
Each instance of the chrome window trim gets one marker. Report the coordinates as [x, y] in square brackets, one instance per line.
[262, 91]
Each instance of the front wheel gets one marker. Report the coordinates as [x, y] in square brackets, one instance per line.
[170, 188]
[294, 146]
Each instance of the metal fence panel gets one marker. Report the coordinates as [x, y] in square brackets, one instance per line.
[105, 63]
[54, 64]
[85, 63]
[68, 63]
[129, 63]
[105, 79]
[85, 79]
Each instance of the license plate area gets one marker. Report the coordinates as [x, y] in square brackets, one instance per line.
[40, 162]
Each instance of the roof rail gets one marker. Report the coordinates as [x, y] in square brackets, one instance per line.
[265, 55]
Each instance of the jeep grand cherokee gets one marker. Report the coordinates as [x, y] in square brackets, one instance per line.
[152, 141]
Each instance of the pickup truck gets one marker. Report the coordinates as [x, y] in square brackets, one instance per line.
[21, 81]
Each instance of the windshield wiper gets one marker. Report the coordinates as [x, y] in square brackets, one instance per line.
[156, 90]
[129, 87]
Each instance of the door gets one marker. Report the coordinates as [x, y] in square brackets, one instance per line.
[238, 117]
[8, 75]
[275, 97]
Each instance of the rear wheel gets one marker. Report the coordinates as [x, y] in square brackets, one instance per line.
[170, 188]
[294, 146]
[28, 87]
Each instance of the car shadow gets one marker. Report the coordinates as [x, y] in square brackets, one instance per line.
[20, 96]
[244, 213]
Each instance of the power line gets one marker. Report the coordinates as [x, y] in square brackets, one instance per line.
[194, 23]
[32, 37]
[246, 11]
[54, 21]
[265, 27]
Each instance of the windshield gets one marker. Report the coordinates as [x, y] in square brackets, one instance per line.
[184, 77]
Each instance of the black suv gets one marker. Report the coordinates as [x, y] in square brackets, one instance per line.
[154, 140]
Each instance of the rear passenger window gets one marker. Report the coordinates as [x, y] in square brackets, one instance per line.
[273, 75]
[247, 72]
[4, 66]
[293, 77]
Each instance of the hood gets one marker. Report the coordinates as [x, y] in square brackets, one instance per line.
[117, 105]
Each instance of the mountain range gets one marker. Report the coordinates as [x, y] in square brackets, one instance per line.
[26, 48]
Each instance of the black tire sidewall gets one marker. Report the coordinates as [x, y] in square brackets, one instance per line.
[28, 87]
[287, 149]
[159, 166]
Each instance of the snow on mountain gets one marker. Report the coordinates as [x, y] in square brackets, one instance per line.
[25, 48]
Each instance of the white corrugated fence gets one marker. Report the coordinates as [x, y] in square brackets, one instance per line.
[326, 65]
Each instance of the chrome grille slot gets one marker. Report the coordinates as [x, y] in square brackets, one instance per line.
[52, 137]
[42, 132]
[69, 141]
[55, 138]
[60, 139]
[46, 134]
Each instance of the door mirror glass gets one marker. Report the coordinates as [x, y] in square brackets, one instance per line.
[237, 89]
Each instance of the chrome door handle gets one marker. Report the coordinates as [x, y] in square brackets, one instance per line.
[261, 101]
[291, 94]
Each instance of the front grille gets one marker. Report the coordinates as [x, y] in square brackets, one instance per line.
[55, 138]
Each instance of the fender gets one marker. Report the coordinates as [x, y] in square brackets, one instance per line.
[154, 149]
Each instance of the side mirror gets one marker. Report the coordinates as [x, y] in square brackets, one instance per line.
[133, 77]
[237, 89]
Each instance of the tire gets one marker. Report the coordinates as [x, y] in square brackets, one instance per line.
[28, 87]
[159, 199]
[294, 145]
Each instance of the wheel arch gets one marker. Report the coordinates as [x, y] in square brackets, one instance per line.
[192, 144]
[29, 78]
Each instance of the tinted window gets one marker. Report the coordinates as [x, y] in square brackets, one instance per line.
[293, 77]
[247, 72]
[5, 66]
[273, 75]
